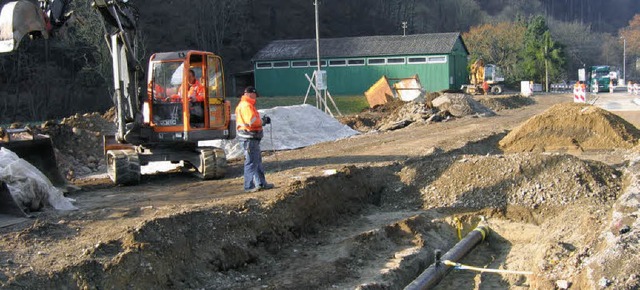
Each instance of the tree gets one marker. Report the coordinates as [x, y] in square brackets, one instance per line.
[542, 55]
[631, 34]
[499, 44]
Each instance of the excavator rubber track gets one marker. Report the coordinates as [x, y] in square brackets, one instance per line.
[123, 166]
[213, 163]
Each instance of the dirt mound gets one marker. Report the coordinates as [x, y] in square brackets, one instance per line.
[528, 180]
[571, 126]
[363, 122]
[499, 103]
[77, 141]
[461, 105]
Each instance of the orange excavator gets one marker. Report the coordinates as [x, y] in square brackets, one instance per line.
[149, 127]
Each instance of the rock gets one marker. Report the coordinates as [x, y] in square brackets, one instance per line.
[563, 284]
[604, 282]
[625, 229]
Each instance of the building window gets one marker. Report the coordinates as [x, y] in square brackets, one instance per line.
[299, 63]
[417, 60]
[281, 64]
[263, 65]
[376, 61]
[355, 62]
[337, 62]
[315, 63]
[395, 60]
[437, 59]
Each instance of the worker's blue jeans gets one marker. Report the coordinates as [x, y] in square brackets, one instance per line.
[253, 170]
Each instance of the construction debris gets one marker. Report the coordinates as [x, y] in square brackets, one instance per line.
[461, 105]
[439, 109]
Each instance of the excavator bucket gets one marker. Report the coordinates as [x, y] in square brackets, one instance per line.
[38, 151]
[20, 18]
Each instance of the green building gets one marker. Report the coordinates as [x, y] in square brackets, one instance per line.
[353, 64]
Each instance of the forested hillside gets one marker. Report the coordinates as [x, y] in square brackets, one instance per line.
[75, 75]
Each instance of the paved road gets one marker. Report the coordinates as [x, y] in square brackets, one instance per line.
[619, 102]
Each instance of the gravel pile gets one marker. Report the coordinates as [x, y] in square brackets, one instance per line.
[528, 180]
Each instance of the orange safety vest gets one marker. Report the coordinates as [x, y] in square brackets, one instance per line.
[247, 117]
[196, 91]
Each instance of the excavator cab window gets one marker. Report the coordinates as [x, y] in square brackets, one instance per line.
[167, 104]
[196, 90]
[215, 87]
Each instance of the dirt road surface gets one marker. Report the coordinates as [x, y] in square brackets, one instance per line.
[365, 212]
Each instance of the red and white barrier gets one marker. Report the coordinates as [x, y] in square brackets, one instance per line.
[579, 94]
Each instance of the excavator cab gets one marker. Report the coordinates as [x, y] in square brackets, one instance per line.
[186, 94]
[184, 104]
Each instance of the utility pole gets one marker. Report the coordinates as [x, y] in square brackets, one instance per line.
[546, 64]
[315, 3]
[624, 58]
[404, 28]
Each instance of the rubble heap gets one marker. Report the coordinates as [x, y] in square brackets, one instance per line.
[439, 109]
[571, 126]
[77, 142]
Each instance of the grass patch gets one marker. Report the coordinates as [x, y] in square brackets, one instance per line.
[346, 104]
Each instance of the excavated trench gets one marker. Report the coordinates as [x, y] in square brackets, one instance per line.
[370, 228]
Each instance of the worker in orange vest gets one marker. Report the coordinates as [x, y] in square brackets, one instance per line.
[249, 132]
[195, 92]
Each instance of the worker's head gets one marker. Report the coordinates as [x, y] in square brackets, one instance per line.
[192, 76]
[250, 91]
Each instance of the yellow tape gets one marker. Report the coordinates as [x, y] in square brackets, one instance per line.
[458, 227]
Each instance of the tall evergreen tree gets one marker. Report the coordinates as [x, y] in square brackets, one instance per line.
[541, 55]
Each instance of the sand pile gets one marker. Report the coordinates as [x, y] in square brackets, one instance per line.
[571, 126]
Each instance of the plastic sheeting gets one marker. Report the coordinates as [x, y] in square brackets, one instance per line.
[291, 127]
[30, 189]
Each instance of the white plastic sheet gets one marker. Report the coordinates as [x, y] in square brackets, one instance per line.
[291, 127]
[29, 187]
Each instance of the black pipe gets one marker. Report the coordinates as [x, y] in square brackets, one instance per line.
[434, 274]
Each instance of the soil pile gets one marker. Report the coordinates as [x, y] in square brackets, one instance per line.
[571, 126]
[370, 118]
[528, 180]
[77, 141]
[499, 103]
